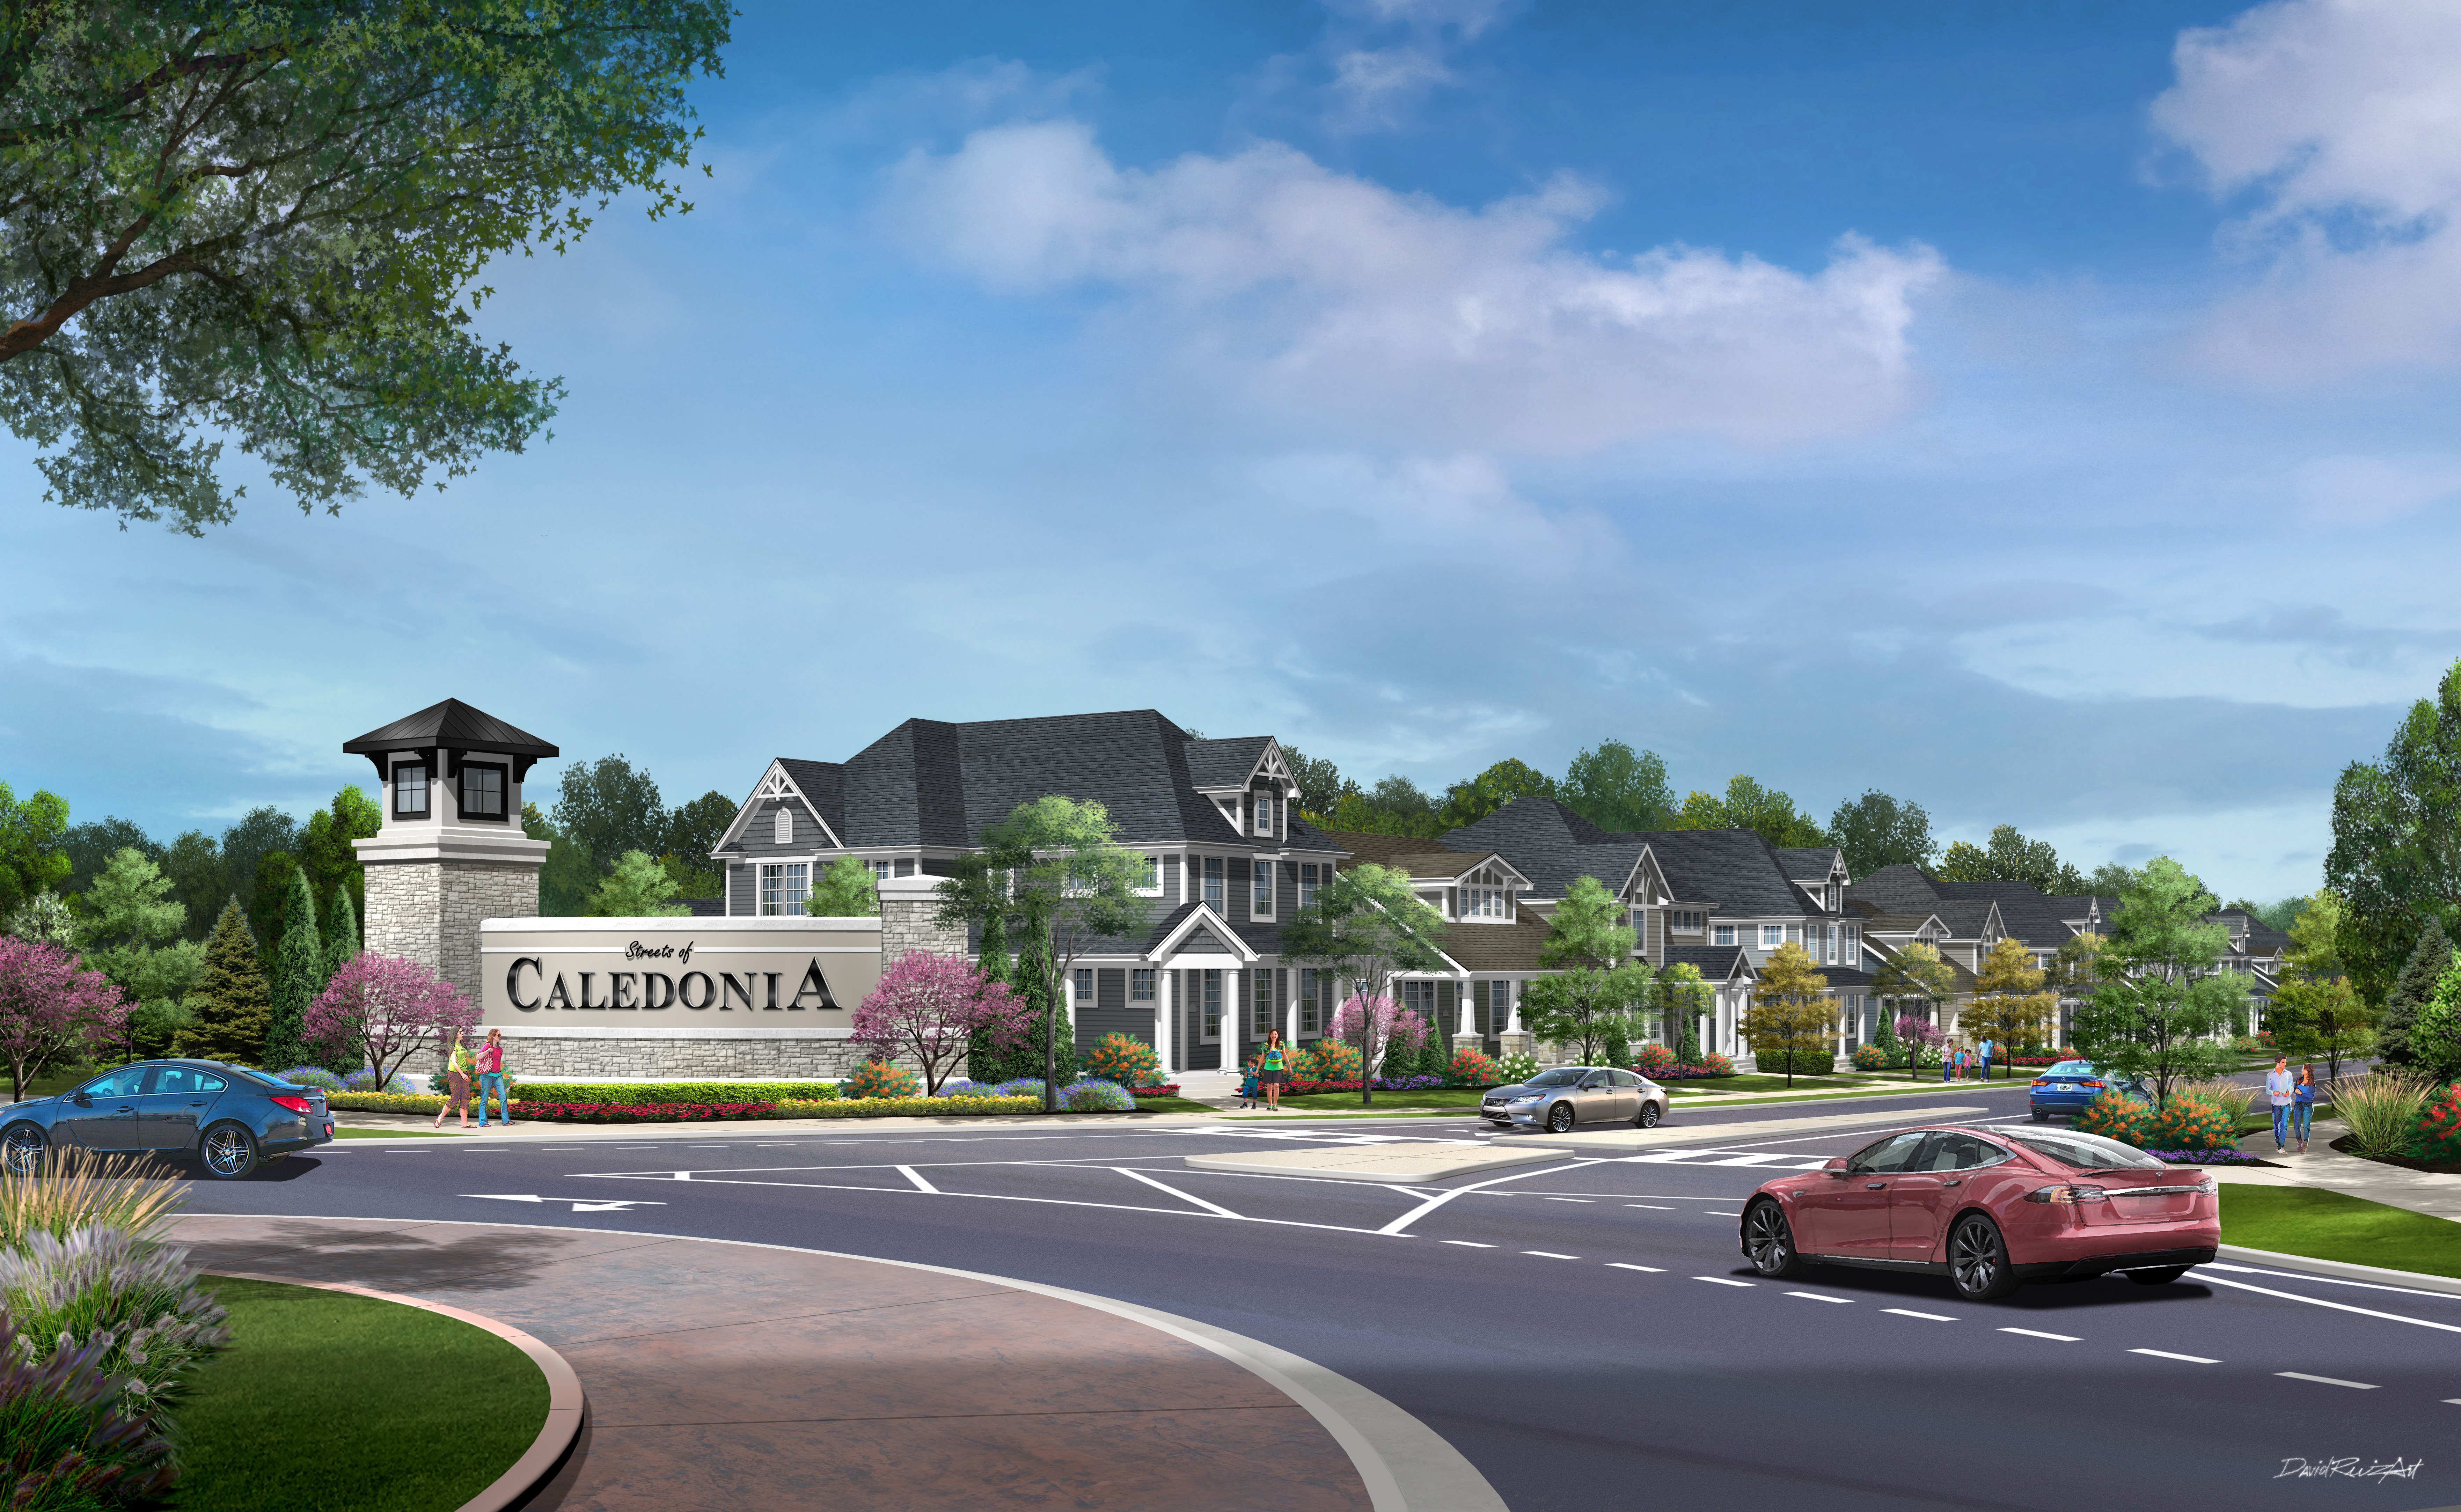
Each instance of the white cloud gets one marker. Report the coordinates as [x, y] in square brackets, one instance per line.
[2341, 118]
[1318, 297]
[2363, 490]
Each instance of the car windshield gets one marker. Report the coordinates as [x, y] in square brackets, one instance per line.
[2071, 1068]
[1561, 1076]
[2083, 1152]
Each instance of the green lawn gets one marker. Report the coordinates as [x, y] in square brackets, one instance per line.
[328, 1402]
[2328, 1225]
[1173, 1104]
[1348, 1101]
[1763, 1083]
[341, 1133]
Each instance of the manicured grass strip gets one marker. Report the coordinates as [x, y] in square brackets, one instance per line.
[330, 1402]
[1174, 1104]
[2329, 1225]
[1348, 1101]
[341, 1133]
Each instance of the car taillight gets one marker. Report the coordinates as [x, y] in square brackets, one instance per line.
[294, 1104]
[2067, 1196]
[2039, 1081]
[2095, 1084]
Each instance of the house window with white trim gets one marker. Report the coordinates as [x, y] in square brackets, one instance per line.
[1141, 985]
[1214, 883]
[1310, 1001]
[1153, 882]
[1723, 934]
[1485, 898]
[1772, 935]
[1307, 883]
[1083, 997]
[783, 887]
[1263, 814]
[1212, 1001]
[1849, 945]
[1419, 998]
[1262, 1022]
[1686, 921]
[879, 871]
[784, 826]
[1261, 889]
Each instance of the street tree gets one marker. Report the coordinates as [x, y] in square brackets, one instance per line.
[929, 1009]
[847, 889]
[231, 1008]
[53, 1010]
[2396, 856]
[2010, 857]
[1589, 997]
[2009, 1005]
[2165, 1008]
[379, 1010]
[638, 888]
[34, 846]
[1056, 862]
[1365, 926]
[264, 222]
[1682, 997]
[298, 975]
[1790, 1011]
[2315, 1010]
[1914, 971]
[1618, 789]
[1876, 830]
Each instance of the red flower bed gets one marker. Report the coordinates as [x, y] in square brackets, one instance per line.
[1168, 1089]
[639, 1112]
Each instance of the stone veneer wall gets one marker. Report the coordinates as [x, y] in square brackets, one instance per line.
[706, 1055]
[906, 925]
[428, 911]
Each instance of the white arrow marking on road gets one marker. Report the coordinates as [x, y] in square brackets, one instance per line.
[611, 1208]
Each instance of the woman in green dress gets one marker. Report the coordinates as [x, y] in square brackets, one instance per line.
[1273, 1069]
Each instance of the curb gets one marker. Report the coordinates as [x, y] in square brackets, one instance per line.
[1406, 1465]
[2343, 1270]
[566, 1406]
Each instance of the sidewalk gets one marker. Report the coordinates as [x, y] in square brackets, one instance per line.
[727, 1377]
[2439, 1196]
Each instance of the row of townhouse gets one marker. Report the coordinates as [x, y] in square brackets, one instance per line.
[1229, 860]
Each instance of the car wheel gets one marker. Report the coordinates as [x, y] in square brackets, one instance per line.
[1769, 1242]
[228, 1151]
[22, 1149]
[2159, 1277]
[2039, 1117]
[1649, 1116]
[1559, 1119]
[1978, 1260]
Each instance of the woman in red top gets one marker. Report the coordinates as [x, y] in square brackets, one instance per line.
[491, 1076]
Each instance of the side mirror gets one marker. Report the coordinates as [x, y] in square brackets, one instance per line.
[83, 1100]
[1836, 1168]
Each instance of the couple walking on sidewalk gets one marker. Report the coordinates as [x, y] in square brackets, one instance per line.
[2294, 1103]
[489, 1063]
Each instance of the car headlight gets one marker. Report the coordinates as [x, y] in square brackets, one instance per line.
[1522, 1102]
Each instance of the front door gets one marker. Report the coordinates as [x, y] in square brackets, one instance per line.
[102, 1114]
[167, 1116]
[1854, 1216]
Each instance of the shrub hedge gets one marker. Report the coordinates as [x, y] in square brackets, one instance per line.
[909, 1107]
[674, 1090]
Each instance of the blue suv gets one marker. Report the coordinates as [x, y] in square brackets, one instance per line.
[2069, 1086]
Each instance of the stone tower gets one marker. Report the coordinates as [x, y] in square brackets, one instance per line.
[450, 851]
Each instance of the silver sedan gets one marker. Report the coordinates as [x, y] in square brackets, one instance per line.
[1559, 1100]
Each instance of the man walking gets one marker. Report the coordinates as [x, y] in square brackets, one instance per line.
[2278, 1091]
[1986, 1060]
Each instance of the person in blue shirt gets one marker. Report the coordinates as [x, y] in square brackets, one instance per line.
[2279, 1091]
[2303, 1104]
[1985, 1057]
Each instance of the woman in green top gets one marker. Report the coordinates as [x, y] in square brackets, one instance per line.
[1273, 1069]
[457, 1078]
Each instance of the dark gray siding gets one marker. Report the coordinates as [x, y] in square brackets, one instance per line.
[1110, 1013]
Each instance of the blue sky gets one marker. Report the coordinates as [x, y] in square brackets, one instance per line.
[2039, 412]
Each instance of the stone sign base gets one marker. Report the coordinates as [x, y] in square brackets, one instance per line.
[544, 1052]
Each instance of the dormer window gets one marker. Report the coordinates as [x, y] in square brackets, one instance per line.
[410, 790]
[1263, 814]
[785, 825]
[1686, 921]
[1485, 896]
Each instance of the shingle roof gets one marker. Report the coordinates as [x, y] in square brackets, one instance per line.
[1899, 888]
[1498, 947]
[1814, 862]
[1383, 850]
[1715, 963]
[1225, 763]
[2024, 910]
[450, 723]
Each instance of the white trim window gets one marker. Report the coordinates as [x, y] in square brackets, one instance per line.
[1419, 998]
[1723, 934]
[1485, 896]
[1686, 921]
[1311, 1003]
[783, 887]
[1772, 935]
[1849, 945]
[1264, 814]
[1261, 889]
[1151, 886]
[1141, 984]
[1307, 883]
[879, 870]
[1211, 1009]
[1083, 997]
[782, 826]
[1213, 884]
[1260, 1021]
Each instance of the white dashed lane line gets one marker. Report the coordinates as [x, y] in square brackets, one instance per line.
[2322, 1380]
[1725, 1215]
[2037, 1333]
[1469, 1244]
[2166, 1354]
[1654, 1207]
[1569, 1199]
[1722, 1281]
[1814, 1296]
[1549, 1254]
[1617, 1265]
[1928, 1318]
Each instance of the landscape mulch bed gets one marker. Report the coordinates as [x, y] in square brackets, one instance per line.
[2344, 1147]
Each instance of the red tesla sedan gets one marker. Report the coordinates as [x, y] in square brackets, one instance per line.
[1988, 1208]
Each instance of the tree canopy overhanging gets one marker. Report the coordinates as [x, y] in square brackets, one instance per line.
[261, 220]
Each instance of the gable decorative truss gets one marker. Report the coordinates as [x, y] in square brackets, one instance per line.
[1202, 917]
[775, 784]
[1269, 766]
[1514, 876]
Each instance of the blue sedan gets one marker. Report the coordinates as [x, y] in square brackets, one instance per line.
[228, 1117]
[2071, 1085]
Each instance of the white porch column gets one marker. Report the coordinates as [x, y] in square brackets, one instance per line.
[1167, 1018]
[1288, 988]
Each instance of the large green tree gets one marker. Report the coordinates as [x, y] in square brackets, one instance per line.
[2010, 857]
[636, 887]
[2411, 990]
[1915, 971]
[231, 1008]
[326, 853]
[261, 220]
[1366, 925]
[2164, 1008]
[34, 854]
[1595, 986]
[2396, 856]
[1876, 830]
[1746, 804]
[1473, 799]
[260, 832]
[92, 844]
[570, 872]
[1790, 1014]
[609, 806]
[1618, 789]
[847, 888]
[132, 931]
[198, 880]
[270, 901]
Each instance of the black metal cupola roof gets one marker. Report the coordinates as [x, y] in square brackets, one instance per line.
[451, 726]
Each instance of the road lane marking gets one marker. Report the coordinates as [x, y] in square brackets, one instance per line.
[1402, 1225]
[1721, 1281]
[1617, 1265]
[1469, 1244]
[2324, 1381]
[917, 1177]
[1725, 1215]
[1814, 1296]
[2037, 1333]
[1928, 1318]
[1571, 1199]
[2337, 1306]
[1654, 1207]
[1549, 1254]
[1165, 1187]
[2166, 1354]
[2330, 1281]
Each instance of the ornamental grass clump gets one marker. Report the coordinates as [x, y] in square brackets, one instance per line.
[70, 1440]
[103, 1289]
[2381, 1110]
[1096, 1096]
[74, 1189]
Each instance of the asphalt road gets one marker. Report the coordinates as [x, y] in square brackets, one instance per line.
[1584, 1330]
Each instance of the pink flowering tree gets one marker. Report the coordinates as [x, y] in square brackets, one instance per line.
[380, 1010]
[1918, 1035]
[926, 1009]
[52, 1010]
[1378, 1026]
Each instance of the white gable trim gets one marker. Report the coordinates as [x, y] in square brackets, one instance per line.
[775, 784]
[1202, 916]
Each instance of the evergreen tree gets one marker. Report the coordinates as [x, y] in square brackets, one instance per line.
[298, 976]
[267, 906]
[2411, 991]
[230, 1001]
[1885, 1038]
[986, 1061]
[1436, 1051]
[1033, 974]
[341, 938]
